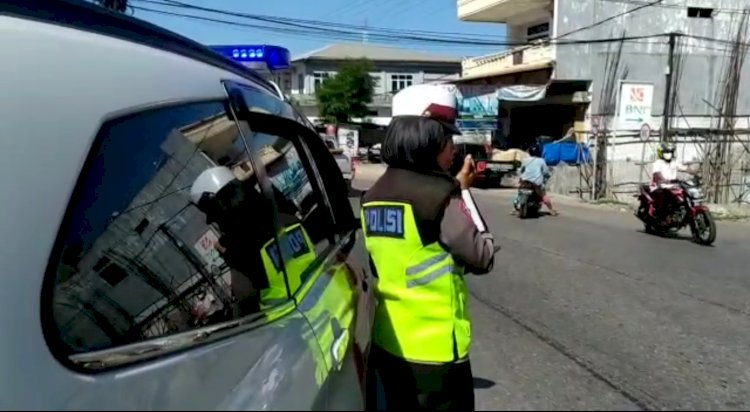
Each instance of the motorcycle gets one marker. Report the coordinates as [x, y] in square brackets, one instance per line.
[527, 202]
[687, 210]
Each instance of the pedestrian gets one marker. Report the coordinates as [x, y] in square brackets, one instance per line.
[424, 232]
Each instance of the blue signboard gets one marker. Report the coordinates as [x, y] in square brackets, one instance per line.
[274, 57]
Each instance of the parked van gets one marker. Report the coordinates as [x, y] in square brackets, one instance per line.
[175, 235]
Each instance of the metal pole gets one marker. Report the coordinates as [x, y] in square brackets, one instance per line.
[667, 112]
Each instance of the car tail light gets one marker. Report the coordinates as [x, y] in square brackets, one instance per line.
[481, 166]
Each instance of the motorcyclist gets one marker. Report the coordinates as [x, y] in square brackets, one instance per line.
[665, 168]
[663, 175]
[534, 172]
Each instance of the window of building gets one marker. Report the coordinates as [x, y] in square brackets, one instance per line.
[401, 81]
[139, 258]
[319, 78]
[301, 83]
[700, 12]
[111, 272]
[538, 32]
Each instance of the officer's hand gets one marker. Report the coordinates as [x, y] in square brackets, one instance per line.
[466, 176]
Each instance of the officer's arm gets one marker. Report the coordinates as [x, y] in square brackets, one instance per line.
[467, 238]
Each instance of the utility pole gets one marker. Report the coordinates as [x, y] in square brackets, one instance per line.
[667, 112]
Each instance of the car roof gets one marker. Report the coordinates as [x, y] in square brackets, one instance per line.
[96, 19]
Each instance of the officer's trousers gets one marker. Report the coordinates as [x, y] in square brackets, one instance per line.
[396, 384]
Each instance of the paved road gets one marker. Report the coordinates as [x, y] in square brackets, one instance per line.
[584, 311]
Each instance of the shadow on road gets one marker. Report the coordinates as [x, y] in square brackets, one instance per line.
[481, 383]
[681, 235]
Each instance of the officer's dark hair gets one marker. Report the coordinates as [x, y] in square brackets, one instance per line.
[414, 142]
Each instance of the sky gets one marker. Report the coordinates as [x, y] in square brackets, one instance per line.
[432, 15]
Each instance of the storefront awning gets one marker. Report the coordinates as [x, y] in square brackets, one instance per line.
[487, 104]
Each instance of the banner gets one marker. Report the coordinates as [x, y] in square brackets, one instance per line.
[522, 93]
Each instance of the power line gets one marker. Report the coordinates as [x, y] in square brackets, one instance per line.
[279, 30]
[317, 30]
[151, 202]
[345, 8]
[401, 12]
[363, 9]
[317, 23]
[677, 6]
[392, 11]
[352, 7]
[608, 19]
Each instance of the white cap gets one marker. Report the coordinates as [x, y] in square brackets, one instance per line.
[210, 181]
[435, 101]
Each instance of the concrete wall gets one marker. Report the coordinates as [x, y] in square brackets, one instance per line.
[629, 164]
[646, 59]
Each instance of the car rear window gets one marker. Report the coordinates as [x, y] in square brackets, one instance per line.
[136, 259]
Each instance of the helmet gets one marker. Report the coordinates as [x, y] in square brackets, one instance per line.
[434, 101]
[210, 181]
[665, 151]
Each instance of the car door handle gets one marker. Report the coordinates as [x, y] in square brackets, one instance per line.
[339, 349]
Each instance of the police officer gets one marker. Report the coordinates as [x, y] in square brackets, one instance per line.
[248, 244]
[424, 233]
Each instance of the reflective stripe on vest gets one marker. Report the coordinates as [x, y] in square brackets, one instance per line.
[297, 253]
[423, 312]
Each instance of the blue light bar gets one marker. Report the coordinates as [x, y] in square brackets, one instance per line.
[274, 57]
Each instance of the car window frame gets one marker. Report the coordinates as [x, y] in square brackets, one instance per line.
[286, 129]
[252, 107]
[127, 355]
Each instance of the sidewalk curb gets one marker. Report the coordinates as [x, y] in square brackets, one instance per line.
[720, 212]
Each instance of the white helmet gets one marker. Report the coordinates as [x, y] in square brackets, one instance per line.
[436, 101]
[210, 181]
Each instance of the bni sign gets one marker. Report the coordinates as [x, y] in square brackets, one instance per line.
[634, 107]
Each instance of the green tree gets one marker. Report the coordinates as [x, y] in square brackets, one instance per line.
[347, 94]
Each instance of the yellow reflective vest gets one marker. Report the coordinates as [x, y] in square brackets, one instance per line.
[423, 299]
[296, 255]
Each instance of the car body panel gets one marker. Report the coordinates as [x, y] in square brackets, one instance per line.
[52, 117]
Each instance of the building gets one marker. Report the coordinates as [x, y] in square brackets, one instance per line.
[566, 70]
[560, 75]
[395, 69]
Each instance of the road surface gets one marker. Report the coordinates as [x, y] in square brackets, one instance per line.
[585, 311]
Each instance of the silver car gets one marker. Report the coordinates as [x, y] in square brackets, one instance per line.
[118, 291]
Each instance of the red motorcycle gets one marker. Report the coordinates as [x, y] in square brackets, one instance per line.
[685, 208]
